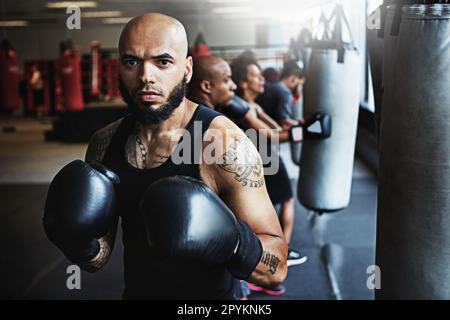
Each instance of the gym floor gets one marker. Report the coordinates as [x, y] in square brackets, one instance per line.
[340, 247]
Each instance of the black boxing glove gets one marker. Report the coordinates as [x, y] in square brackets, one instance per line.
[236, 109]
[317, 127]
[79, 209]
[185, 219]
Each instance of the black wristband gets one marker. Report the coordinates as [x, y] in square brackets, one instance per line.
[248, 253]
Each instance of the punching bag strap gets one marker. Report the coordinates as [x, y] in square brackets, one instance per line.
[340, 17]
[327, 34]
[338, 37]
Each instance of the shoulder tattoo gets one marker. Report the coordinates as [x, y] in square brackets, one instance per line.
[99, 143]
[242, 159]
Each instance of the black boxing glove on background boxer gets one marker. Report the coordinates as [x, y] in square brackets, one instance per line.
[185, 219]
[317, 127]
[79, 209]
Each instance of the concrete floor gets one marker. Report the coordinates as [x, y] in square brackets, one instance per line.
[24, 155]
[340, 247]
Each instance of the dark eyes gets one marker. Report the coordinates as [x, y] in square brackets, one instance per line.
[164, 62]
[129, 62]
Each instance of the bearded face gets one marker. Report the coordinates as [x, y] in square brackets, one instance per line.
[145, 112]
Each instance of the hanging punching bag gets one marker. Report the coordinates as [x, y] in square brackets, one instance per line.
[413, 222]
[111, 75]
[9, 78]
[332, 87]
[200, 48]
[96, 69]
[71, 79]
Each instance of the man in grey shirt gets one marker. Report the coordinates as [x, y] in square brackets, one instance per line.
[278, 96]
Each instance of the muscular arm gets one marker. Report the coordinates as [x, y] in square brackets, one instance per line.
[238, 177]
[267, 119]
[95, 153]
[272, 131]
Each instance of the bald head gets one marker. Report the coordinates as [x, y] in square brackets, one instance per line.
[211, 82]
[207, 68]
[154, 29]
[154, 66]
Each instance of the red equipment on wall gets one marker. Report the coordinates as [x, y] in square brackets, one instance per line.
[71, 79]
[9, 78]
[200, 48]
[58, 94]
[96, 70]
[112, 79]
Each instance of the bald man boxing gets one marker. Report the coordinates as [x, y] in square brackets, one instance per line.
[211, 82]
[191, 230]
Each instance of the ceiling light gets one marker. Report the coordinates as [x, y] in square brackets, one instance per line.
[67, 4]
[14, 23]
[122, 20]
[101, 14]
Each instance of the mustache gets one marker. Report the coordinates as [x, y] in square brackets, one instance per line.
[151, 88]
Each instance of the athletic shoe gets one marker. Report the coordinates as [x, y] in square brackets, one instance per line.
[295, 258]
[277, 291]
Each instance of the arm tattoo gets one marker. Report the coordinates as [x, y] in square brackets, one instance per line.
[270, 260]
[242, 160]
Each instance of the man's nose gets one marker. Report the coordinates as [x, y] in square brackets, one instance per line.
[147, 72]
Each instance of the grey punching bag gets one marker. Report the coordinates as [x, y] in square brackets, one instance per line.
[413, 222]
[333, 87]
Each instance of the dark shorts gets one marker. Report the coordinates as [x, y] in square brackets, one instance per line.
[38, 97]
[279, 185]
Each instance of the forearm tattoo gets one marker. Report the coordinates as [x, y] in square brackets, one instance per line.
[271, 261]
[244, 162]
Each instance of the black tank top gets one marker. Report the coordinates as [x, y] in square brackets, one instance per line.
[147, 274]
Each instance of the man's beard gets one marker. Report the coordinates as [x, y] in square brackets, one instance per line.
[155, 116]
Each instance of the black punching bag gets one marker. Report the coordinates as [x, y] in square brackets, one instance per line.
[413, 222]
